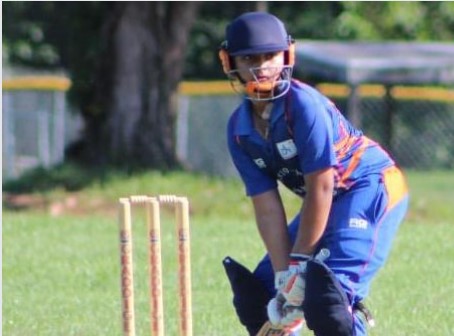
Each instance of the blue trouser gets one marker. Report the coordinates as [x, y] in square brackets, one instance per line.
[362, 224]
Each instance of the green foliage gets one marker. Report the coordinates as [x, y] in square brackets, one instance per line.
[68, 35]
[325, 20]
[414, 20]
[56, 35]
[308, 20]
[206, 36]
[53, 34]
[25, 40]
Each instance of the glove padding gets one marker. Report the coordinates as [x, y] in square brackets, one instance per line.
[275, 309]
[282, 314]
[293, 285]
[286, 308]
[293, 316]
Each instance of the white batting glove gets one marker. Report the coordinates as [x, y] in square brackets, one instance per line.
[293, 316]
[280, 279]
[288, 318]
[275, 306]
[294, 284]
[275, 309]
[280, 311]
[286, 308]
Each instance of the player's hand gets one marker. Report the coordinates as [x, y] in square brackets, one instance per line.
[286, 307]
[293, 285]
[293, 317]
[280, 311]
[275, 306]
[275, 309]
[286, 317]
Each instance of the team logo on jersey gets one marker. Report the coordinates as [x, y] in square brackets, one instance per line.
[287, 149]
[260, 163]
[358, 223]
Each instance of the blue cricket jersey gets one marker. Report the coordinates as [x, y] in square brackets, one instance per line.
[307, 133]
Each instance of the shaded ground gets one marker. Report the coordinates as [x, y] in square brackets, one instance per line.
[69, 204]
[58, 191]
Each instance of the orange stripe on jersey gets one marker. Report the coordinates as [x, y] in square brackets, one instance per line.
[395, 184]
[354, 162]
[343, 146]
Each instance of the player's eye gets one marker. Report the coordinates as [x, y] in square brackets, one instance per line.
[270, 55]
[246, 58]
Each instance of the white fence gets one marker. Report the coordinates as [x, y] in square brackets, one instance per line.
[202, 135]
[36, 123]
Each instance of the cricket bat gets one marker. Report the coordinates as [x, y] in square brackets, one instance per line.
[270, 330]
[276, 330]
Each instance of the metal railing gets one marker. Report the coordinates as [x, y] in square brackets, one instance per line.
[415, 124]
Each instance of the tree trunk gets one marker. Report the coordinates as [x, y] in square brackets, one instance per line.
[133, 122]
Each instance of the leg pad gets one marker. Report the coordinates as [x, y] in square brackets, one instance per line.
[326, 307]
[250, 297]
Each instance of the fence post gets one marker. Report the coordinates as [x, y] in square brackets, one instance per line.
[58, 132]
[390, 110]
[43, 139]
[8, 138]
[353, 112]
[182, 129]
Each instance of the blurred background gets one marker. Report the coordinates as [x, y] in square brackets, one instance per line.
[138, 85]
[101, 100]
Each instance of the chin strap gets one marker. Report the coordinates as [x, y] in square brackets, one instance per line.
[259, 90]
[262, 91]
[259, 87]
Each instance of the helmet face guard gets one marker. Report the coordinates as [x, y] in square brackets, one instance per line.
[258, 33]
[258, 90]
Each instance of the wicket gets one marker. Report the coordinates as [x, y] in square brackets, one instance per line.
[152, 206]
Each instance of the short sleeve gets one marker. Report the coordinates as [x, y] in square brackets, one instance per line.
[313, 132]
[255, 180]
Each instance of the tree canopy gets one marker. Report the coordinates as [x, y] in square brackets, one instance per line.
[94, 42]
[53, 34]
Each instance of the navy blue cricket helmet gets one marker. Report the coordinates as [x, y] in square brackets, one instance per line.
[257, 33]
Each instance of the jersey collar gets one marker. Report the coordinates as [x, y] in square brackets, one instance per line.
[244, 124]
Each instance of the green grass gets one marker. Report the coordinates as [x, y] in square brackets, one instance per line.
[61, 272]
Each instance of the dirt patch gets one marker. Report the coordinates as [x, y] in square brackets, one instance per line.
[69, 204]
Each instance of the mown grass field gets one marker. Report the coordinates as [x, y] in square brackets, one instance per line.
[61, 261]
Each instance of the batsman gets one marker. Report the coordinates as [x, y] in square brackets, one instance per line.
[318, 267]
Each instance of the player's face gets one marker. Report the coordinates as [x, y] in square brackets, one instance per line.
[260, 67]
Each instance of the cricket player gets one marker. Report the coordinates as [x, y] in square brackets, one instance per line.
[319, 267]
